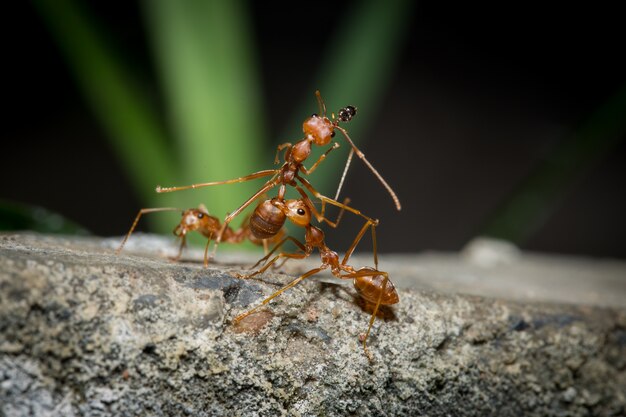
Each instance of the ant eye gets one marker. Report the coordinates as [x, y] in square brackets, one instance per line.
[314, 115]
[332, 135]
[200, 215]
[301, 212]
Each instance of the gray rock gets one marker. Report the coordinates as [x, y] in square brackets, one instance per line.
[85, 332]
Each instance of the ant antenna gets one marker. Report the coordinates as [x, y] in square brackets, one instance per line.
[360, 154]
[320, 103]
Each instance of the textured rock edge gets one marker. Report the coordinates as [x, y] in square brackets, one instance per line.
[84, 332]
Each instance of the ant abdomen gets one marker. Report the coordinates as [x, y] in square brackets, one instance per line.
[370, 287]
[267, 220]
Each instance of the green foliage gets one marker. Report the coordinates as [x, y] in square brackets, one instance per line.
[16, 216]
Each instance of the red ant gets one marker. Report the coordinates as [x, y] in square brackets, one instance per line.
[372, 285]
[318, 130]
[199, 219]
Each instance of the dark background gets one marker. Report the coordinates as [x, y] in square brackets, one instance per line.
[481, 95]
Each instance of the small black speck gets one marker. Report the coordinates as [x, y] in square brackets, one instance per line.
[149, 349]
[231, 293]
[521, 325]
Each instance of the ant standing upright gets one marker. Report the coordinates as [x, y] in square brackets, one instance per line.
[317, 129]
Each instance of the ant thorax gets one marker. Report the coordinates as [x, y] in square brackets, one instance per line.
[301, 151]
[314, 236]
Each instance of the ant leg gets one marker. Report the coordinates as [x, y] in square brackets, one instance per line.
[364, 273]
[256, 175]
[361, 155]
[277, 293]
[280, 255]
[280, 235]
[268, 185]
[282, 263]
[278, 245]
[375, 247]
[142, 212]
[206, 250]
[319, 160]
[373, 318]
[183, 243]
[265, 247]
[272, 261]
[356, 241]
[280, 148]
[328, 200]
[345, 172]
[320, 216]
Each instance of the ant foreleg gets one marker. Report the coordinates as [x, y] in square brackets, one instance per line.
[358, 238]
[278, 265]
[183, 243]
[141, 213]
[272, 261]
[256, 175]
[320, 215]
[319, 160]
[280, 148]
[278, 245]
[306, 253]
[328, 200]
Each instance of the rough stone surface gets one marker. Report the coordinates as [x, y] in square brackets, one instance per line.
[85, 332]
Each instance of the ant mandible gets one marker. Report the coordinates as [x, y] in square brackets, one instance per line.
[372, 285]
[199, 219]
[317, 129]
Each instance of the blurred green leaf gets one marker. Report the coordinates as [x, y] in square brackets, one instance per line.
[204, 54]
[17, 216]
[114, 95]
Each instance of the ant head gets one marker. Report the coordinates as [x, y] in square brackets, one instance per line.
[319, 129]
[192, 220]
[298, 212]
[346, 114]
